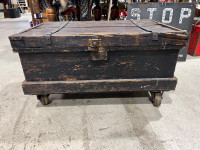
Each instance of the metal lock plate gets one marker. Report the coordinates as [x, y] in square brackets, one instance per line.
[97, 51]
[94, 45]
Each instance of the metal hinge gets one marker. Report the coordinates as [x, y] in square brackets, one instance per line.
[48, 38]
[155, 36]
[48, 35]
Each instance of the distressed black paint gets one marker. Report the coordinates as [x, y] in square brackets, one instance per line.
[128, 58]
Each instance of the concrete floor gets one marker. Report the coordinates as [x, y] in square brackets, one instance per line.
[83, 122]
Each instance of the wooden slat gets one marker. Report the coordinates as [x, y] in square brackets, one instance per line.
[79, 49]
[80, 43]
[96, 86]
[97, 30]
[99, 24]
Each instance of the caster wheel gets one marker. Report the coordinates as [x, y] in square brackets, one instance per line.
[44, 99]
[156, 98]
[157, 101]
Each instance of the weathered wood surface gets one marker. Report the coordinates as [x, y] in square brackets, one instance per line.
[85, 49]
[129, 56]
[78, 43]
[113, 34]
[79, 66]
[96, 86]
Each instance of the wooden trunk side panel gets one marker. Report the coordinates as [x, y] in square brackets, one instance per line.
[78, 66]
[96, 86]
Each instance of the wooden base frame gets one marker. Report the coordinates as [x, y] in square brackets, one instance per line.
[84, 86]
[155, 86]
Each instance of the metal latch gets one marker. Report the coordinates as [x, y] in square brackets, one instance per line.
[98, 52]
[94, 45]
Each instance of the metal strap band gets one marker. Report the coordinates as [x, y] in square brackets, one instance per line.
[48, 35]
[154, 34]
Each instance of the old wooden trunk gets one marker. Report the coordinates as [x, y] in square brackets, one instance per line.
[78, 57]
